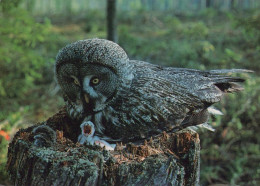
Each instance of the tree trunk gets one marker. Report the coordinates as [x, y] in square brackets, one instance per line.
[208, 3]
[111, 21]
[167, 159]
[232, 5]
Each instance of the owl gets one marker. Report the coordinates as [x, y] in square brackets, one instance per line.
[129, 100]
[87, 136]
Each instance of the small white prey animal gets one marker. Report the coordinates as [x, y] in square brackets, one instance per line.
[87, 136]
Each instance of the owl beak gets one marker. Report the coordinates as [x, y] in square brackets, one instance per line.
[87, 129]
[86, 98]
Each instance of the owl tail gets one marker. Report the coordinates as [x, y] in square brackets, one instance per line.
[228, 84]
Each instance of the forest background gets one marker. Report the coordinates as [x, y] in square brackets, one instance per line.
[200, 34]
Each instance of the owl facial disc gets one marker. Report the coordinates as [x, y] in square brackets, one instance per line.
[91, 74]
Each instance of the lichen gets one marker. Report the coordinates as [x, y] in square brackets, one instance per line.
[167, 159]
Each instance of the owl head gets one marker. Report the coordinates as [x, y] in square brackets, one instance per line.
[90, 73]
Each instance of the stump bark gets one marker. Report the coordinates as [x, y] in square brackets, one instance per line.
[167, 159]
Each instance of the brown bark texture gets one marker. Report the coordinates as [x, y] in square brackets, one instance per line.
[166, 159]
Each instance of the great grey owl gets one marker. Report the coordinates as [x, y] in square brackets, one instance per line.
[129, 100]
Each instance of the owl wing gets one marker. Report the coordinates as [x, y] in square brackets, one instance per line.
[183, 95]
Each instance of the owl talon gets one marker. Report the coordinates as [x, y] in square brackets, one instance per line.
[44, 136]
[39, 141]
[87, 136]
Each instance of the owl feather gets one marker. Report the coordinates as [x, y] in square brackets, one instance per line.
[129, 100]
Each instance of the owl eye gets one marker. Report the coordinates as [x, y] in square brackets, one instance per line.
[95, 81]
[75, 80]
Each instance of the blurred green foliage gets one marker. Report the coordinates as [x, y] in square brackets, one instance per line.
[24, 62]
[10, 121]
[206, 40]
[21, 63]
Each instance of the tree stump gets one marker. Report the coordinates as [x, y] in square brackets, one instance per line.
[167, 159]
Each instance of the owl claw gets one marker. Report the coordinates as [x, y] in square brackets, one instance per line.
[87, 136]
[44, 136]
[39, 141]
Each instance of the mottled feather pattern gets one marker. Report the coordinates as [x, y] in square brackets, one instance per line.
[96, 51]
[137, 99]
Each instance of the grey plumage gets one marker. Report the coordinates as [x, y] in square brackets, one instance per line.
[134, 99]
